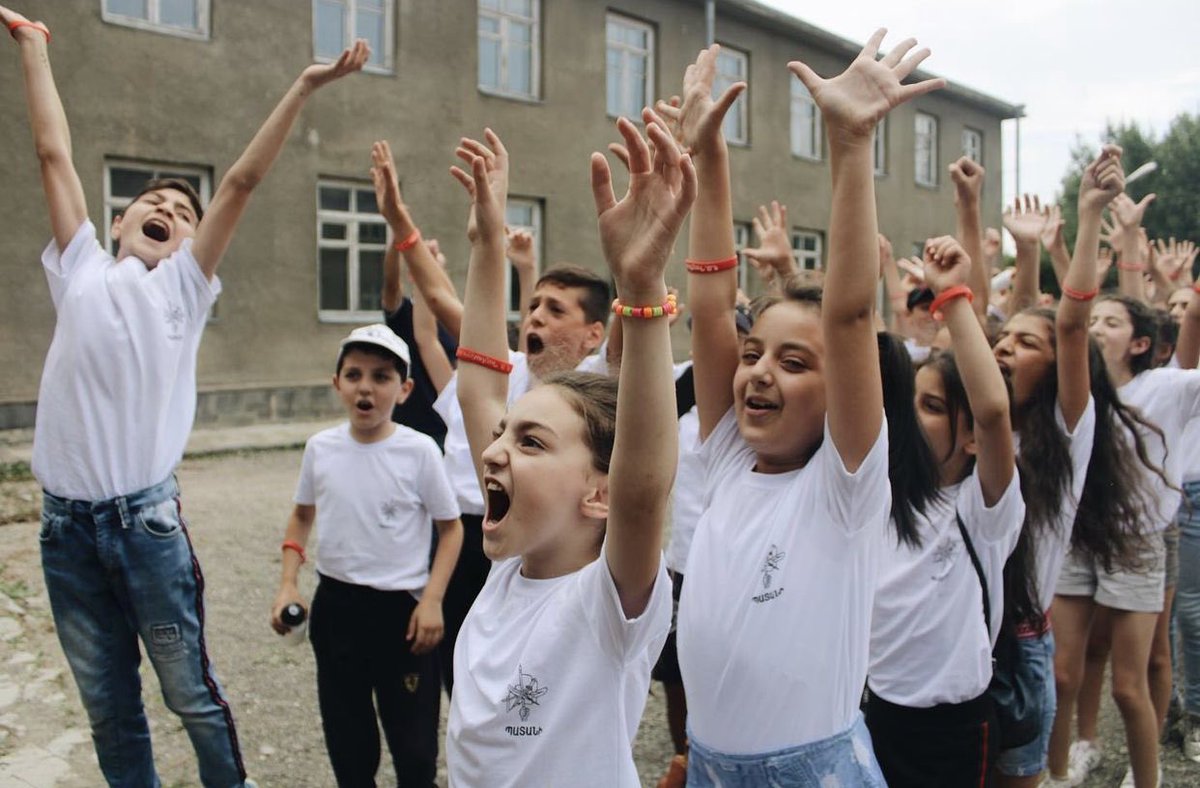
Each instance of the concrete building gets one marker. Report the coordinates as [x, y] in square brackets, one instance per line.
[179, 87]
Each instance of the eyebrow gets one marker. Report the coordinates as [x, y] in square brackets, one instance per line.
[525, 425]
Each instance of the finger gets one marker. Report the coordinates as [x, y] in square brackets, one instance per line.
[494, 141]
[871, 48]
[897, 53]
[908, 92]
[765, 217]
[476, 147]
[602, 191]
[466, 180]
[639, 151]
[483, 194]
[666, 110]
[1149, 198]
[806, 75]
[910, 63]
[412, 626]
[666, 152]
[722, 104]
[688, 188]
[620, 151]
[759, 230]
[775, 213]
[783, 216]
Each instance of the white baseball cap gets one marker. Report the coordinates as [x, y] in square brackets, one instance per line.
[381, 336]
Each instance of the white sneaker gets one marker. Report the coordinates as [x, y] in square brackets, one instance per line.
[1050, 781]
[1191, 738]
[1128, 781]
[1084, 756]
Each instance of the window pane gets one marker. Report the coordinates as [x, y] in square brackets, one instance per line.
[134, 8]
[333, 279]
[370, 280]
[333, 231]
[520, 78]
[489, 24]
[334, 199]
[489, 62]
[520, 7]
[519, 33]
[613, 81]
[372, 233]
[637, 86]
[178, 13]
[329, 34]
[126, 183]
[369, 25]
[493, 4]
[365, 201]
[519, 214]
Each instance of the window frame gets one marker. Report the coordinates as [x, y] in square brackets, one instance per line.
[967, 133]
[535, 52]
[742, 104]
[879, 149]
[510, 273]
[350, 32]
[202, 32]
[801, 95]
[351, 219]
[742, 233]
[650, 53]
[805, 256]
[935, 141]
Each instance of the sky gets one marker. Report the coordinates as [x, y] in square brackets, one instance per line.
[1074, 65]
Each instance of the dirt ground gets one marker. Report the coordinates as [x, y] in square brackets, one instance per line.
[236, 506]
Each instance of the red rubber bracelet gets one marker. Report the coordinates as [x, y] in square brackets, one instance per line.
[948, 295]
[711, 266]
[1080, 295]
[483, 360]
[1138, 267]
[12, 28]
[409, 242]
[288, 544]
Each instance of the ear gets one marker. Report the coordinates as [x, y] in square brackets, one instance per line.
[335, 382]
[115, 229]
[405, 389]
[969, 445]
[1139, 345]
[595, 336]
[595, 503]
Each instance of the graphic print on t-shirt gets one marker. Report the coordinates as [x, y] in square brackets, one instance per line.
[173, 316]
[523, 696]
[391, 509]
[943, 558]
[770, 566]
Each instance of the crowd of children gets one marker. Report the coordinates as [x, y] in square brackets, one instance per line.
[909, 555]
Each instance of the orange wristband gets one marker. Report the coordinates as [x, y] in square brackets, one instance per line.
[288, 544]
[711, 266]
[1080, 295]
[12, 28]
[409, 242]
[1139, 267]
[483, 360]
[948, 295]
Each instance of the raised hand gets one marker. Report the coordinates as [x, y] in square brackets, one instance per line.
[946, 264]
[968, 181]
[351, 60]
[1104, 261]
[854, 102]
[387, 187]
[914, 271]
[1052, 231]
[520, 250]
[1174, 260]
[1110, 233]
[1025, 221]
[487, 184]
[1103, 183]
[638, 232]
[991, 246]
[773, 256]
[696, 120]
[34, 30]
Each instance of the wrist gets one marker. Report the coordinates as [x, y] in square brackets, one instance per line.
[642, 293]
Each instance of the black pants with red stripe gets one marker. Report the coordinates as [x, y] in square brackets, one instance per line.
[947, 746]
[364, 664]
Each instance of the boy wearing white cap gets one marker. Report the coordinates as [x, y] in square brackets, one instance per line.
[371, 486]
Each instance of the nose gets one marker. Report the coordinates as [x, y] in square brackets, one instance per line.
[494, 455]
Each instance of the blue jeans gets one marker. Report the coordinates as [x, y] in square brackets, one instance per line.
[1030, 759]
[1187, 595]
[115, 571]
[846, 759]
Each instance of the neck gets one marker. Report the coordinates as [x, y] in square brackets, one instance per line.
[560, 559]
[374, 434]
[1120, 374]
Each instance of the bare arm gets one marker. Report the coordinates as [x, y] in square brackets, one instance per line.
[1187, 348]
[425, 332]
[1024, 223]
[1127, 215]
[852, 104]
[51, 133]
[299, 528]
[392, 293]
[968, 189]
[1056, 245]
[523, 255]
[426, 625]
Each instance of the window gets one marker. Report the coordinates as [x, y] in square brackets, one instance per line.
[336, 23]
[972, 143]
[926, 128]
[807, 246]
[508, 47]
[630, 66]
[522, 213]
[185, 18]
[881, 148]
[806, 123]
[351, 244]
[734, 66]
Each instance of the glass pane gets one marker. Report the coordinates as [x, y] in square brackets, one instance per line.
[329, 33]
[520, 33]
[333, 231]
[333, 198]
[489, 63]
[637, 86]
[134, 8]
[520, 76]
[333, 279]
[374, 5]
[372, 233]
[613, 79]
[612, 32]
[520, 7]
[126, 183]
[369, 25]
[370, 280]
[178, 13]
[732, 127]
[489, 24]
[493, 4]
[519, 214]
[365, 199]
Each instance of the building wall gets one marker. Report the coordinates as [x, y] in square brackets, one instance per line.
[147, 96]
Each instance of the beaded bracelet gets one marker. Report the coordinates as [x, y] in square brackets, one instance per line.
[483, 360]
[409, 242]
[668, 307]
[711, 266]
[288, 544]
[1080, 295]
[948, 295]
[38, 26]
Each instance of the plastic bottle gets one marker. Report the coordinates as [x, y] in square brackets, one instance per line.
[296, 617]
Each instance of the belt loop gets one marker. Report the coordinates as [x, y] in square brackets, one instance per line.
[123, 508]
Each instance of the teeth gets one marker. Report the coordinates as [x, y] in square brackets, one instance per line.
[494, 487]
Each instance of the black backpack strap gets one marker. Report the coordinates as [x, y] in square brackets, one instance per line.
[685, 393]
[987, 605]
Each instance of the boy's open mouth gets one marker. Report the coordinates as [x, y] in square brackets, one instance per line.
[757, 405]
[156, 230]
[363, 405]
[497, 502]
[534, 344]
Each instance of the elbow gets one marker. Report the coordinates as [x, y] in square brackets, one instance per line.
[241, 181]
[52, 153]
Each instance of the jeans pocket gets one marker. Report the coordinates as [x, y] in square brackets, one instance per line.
[52, 525]
[161, 520]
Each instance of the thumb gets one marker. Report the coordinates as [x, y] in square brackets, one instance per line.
[1149, 198]
[727, 98]
[412, 626]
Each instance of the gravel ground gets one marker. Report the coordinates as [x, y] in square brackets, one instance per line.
[236, 506]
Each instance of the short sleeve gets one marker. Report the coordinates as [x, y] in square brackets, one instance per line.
[999, 524]
[60, 266]
[621, 638]
[1080, 442]
[854, 499]
[437, 495]
[306, 493]
[180, 276]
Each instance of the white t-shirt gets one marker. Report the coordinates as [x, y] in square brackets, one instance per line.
[928, 641]
[1052, 540]
[374, 505]
[459, 465]
[687, 496]
[775, 616]
[551, 680]
[917, 353]
[1190, 444]
[1169, 399]
[118, 391]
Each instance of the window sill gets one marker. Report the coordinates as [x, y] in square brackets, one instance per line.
[153, 27]
[500, 94]
[809, 159]
[933, 187]
[343, 316]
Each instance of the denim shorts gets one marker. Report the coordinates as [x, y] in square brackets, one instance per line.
[846, 759]
[1030, 759]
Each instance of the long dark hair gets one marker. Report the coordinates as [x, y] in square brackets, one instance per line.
[1144, 323]
[912, 468]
